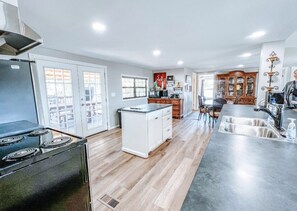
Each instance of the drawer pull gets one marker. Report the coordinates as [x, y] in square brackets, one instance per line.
[156, 117]
[168, 118]
[168, 130]
[168, 111]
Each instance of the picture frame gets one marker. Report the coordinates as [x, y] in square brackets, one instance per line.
[188, 79]
[170, 78]
[160, 80]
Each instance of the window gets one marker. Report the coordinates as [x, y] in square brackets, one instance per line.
[134, 87]
[206, 87]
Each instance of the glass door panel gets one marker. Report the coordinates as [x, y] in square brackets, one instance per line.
[231, 86]
[92, 96]
[221, 88]
[58, 89]
[239, 86]
[250, 83]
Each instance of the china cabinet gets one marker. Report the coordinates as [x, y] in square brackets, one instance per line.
[237, 86]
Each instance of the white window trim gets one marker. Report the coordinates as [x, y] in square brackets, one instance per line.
[134, 76]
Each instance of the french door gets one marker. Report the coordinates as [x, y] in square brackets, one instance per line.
[72, 97]
[92, 99]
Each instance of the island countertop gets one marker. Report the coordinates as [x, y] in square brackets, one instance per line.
[146, 108]
[245, 173]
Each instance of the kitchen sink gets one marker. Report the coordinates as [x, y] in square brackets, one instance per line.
[249, 127]
[245, 121]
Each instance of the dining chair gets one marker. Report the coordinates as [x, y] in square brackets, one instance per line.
[202, 108]
[214, 111]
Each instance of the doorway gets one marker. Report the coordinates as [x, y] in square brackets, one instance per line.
[73, 97]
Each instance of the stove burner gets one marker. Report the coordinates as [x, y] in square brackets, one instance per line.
[56, 142]
[21, 154]
[38, 132]
[10, 140]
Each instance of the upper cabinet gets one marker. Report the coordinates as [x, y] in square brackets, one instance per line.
[238, 87]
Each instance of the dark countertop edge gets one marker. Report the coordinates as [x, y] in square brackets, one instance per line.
[161, 106]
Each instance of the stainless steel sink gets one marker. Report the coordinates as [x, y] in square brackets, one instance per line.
[261, 132]
[249, 127]
[245, 121]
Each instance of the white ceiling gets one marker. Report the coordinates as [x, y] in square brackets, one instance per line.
[205, 34]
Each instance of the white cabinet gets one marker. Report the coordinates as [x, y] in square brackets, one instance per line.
[155, 137]
[143, 132]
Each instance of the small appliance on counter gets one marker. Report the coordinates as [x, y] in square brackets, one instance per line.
[276, 98]
[158, 93]
[174, 96]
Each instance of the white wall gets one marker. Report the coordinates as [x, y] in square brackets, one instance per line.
[114, 72]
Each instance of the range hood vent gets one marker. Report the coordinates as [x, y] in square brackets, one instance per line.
[15, 36]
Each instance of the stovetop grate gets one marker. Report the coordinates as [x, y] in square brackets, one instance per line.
[10, 140]
[56, 142]
[21, 154]
[38, 132]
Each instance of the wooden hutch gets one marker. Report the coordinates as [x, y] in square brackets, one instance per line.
[237, 86]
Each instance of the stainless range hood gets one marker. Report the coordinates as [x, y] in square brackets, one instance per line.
[15, 36]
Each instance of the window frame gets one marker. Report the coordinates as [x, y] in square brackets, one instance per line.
[134, 87]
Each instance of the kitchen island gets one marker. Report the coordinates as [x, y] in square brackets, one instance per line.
[145, 127]
[245, 173]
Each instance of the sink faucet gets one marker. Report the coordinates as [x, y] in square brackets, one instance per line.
[278, 117]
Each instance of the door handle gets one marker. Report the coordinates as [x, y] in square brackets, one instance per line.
[82, 104]
[157, 118]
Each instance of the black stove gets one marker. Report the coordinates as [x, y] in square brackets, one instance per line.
[25, 149]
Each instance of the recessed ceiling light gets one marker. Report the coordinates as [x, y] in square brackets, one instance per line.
[257, 34]
[156, 52]
[99, 27]
[246, 55]
[241, 65]
[180, 62]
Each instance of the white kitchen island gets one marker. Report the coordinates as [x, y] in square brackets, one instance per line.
[145, 127]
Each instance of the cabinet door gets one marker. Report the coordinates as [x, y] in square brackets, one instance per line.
[250, 85]
[221, 87]
[155, 129]
[239, 86]
[231, 84]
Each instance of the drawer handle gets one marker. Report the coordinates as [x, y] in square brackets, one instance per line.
[168, 111]
[168, 130]
[168, 118]
[156, 117]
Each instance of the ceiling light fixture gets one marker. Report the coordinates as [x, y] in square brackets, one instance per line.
[246, 55]
[180, 62]
[99, 27]
[241, 65]
[156, 52]
[257, 34]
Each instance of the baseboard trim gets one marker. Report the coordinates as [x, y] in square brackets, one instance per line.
[113, 127]
[143, 155]
[185, 115]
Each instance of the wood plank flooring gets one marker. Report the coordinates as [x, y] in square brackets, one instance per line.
[159, 182]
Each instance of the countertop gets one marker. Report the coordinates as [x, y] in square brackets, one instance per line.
[146, 108]
[245, 173]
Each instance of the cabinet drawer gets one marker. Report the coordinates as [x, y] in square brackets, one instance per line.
[167, 111]
[155, 115]
[175, 102]
[167, 133]
[167, 120]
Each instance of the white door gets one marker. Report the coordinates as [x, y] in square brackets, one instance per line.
[73, 97]
[92, 99]
[60, 105]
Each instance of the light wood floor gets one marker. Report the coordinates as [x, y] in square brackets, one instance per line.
[160, 182]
